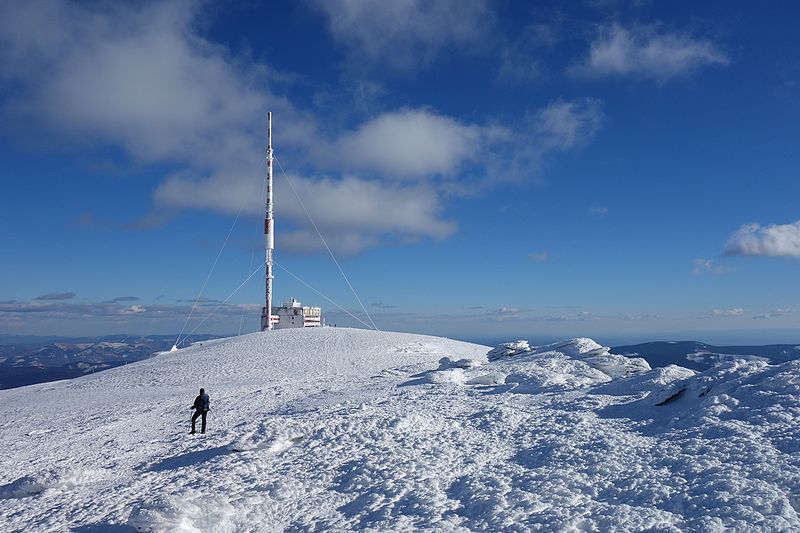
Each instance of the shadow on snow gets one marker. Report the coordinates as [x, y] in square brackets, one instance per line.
[188, 459]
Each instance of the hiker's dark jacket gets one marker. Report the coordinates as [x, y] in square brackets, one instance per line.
[201, 403]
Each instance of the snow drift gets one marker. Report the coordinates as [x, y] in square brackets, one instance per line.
[340, 429]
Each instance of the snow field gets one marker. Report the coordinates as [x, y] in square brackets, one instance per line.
[337, 429]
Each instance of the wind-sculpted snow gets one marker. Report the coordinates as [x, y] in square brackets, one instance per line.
[334, 430]
[586, 360]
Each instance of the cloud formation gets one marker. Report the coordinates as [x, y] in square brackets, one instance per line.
[774, 314]
[644, 52]
[142, 77]
[520, 154]
[701, 266]
[408, 144]
[30, 315]
[404, 34]
[352, 213]
[414, 156]
[580, 317]
[737, 311]
[757, 240]
[563, 125]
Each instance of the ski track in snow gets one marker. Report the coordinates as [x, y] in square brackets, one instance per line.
[336, 429]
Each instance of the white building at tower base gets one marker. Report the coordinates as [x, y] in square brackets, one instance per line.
[293, 314]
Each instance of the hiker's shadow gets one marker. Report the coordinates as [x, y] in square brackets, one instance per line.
[188, 459]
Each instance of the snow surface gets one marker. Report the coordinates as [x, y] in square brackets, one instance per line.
[333, 429]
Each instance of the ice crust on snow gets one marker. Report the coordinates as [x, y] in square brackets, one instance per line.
[336, 429]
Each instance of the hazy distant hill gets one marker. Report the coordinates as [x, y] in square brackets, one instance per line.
[701, 356]
[29, 360]
[25, 360]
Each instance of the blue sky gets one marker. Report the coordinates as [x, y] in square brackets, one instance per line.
[482, 169]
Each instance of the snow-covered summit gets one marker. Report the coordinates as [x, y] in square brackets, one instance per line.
[340, 429]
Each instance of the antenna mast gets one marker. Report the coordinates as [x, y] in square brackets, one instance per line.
[269, 234]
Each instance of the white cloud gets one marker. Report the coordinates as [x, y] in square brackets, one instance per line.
[140, 77]
[757, 240]
[774, 314]
[635, 317]
[352, 202]
[411, 143]
[352, 213]
[405, 34]
[708, 265]
[579, 317]
[598, 210]
[423, 145]
[520, 155]
[702, 265]
[505, 313]
[644, 52]
[34, 315]
[563, 125]
[738, 311]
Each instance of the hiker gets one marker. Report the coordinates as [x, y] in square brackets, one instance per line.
[201, 408]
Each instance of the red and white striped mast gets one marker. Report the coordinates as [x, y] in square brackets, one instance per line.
[269, 234]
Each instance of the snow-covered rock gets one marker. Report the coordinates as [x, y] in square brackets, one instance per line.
[587, 351]
[508, 349]
[335, 429]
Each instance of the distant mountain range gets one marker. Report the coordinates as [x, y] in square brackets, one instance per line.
[701, 356]
[25, 360]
